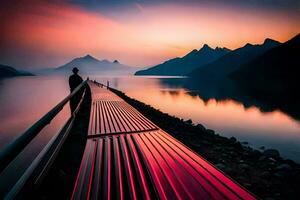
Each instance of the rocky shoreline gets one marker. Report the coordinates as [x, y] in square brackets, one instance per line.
[263, 172]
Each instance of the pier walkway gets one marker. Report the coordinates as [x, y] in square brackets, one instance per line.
[129, 157]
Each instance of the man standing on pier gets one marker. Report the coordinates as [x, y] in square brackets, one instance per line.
[74, 81]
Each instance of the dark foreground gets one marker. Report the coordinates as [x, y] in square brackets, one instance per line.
[264, 172]
[59, 182]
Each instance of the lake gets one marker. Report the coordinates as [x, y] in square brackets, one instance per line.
[23, 100]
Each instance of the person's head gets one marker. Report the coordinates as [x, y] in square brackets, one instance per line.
[75, 70]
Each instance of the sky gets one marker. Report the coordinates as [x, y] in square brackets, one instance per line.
[49, 33]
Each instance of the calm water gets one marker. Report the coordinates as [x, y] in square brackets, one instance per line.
[227, 117]
[24, 100]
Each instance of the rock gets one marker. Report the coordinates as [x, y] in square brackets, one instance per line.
[280, 174]
[201, 127]
[244, 166]
[271, 153]
[261, 158]
[265, 174]
[209, 131]
[285, 167]
[220, 166]
[233, 139]
[241, 179]
[262, 148]
[189, 121]
[256, 153]
[269, 198]
[247, 185]
[245, 143]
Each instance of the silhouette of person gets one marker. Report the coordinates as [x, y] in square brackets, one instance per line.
[74, 81]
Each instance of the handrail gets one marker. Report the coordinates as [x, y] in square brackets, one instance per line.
[10, 151]
[41, 164]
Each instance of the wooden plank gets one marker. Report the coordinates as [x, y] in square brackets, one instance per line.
[107, 170]
[117, 118]
[142, 161]
[121, 118]
[118, 126]
[126, 118]
[101, 116]
[97, 178]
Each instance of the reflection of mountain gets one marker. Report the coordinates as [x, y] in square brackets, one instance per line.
[186, 64]
[7, 71]
[221, 92]
[91, 65]
[274, 76]
[232, 61]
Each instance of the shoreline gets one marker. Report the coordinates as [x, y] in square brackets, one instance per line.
[264, 173]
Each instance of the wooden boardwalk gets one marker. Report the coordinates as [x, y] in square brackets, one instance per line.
[129, 157]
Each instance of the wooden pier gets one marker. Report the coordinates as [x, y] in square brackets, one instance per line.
[128, 157]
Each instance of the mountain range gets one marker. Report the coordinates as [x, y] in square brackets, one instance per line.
[186, 64]
[8, 71]
[273, 75]
[232, 61]
[90, 65]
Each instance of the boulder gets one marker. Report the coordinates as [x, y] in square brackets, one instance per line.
[271, 153]
[284, 167]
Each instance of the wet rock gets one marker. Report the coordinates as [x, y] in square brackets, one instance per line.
[271, 153]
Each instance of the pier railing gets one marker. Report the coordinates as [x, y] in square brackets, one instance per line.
[48, 153]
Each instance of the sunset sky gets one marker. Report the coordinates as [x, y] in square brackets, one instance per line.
[36, 33]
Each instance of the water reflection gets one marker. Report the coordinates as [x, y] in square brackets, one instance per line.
[221, 90]
[225, 109]
[23, 101]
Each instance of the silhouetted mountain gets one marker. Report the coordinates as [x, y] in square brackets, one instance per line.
[90, 65]
[7, 71]
[186, 64]
[274, 76]
[232, 61]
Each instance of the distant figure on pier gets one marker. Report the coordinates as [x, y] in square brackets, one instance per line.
[74, 81]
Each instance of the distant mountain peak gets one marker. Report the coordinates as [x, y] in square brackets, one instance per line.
[248, 45]
[270, 41]
[222, 49]
[193, 52]
[205, 47]
[88, 56]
